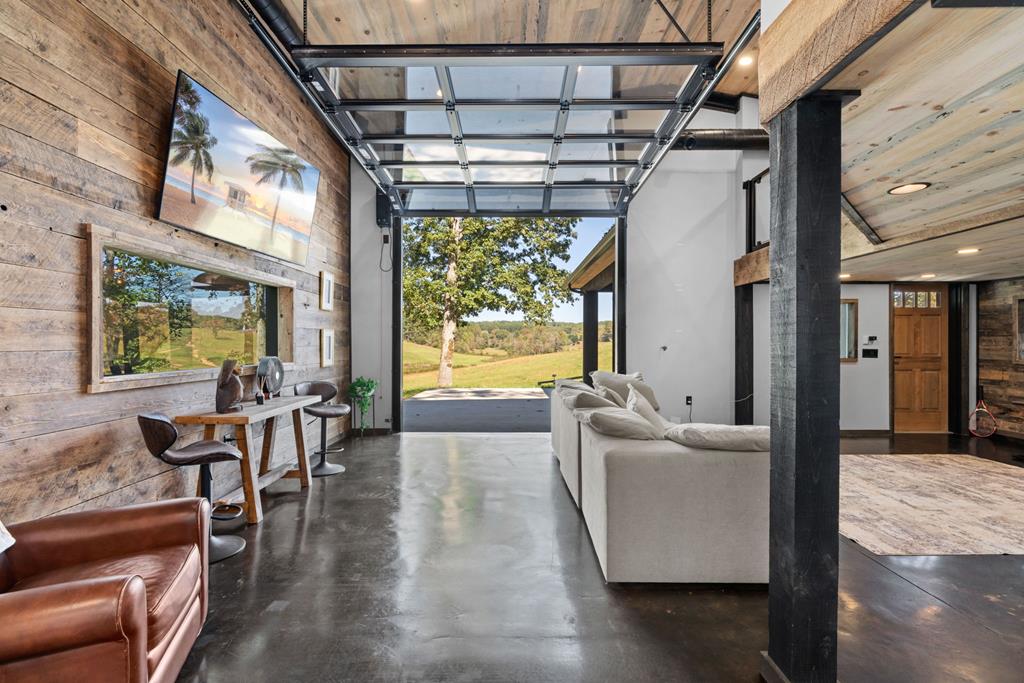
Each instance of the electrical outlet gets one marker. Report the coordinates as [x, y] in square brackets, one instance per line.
[689, 400]
[387, 238]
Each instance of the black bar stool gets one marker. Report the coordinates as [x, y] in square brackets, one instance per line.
[325, 410]
[160, 434]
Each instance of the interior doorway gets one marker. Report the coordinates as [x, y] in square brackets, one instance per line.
[920, 357]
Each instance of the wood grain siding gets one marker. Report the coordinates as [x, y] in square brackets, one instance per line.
[86, 90]
[1001, 380]
[751, 268]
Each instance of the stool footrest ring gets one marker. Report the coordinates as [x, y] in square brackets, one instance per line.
[225, 512]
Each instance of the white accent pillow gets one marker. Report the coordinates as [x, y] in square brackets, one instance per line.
[619, 422]
[754, 438]
[612, 396]
[585, 399]
[574, 385]
[642, 407]
[620, 384]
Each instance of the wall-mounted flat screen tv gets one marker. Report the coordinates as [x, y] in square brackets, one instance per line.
[231, 180]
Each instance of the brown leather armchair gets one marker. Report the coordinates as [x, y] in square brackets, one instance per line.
[104, 595]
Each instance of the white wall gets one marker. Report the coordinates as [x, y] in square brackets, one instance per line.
[371, 295]
[864, 385]
[770, 11]
[682, 240]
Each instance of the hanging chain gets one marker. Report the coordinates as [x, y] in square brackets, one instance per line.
[305, 21]
[709, 21]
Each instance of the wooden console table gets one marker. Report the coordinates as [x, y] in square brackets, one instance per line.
[243, 420]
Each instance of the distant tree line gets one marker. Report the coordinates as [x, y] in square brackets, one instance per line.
[511, 337]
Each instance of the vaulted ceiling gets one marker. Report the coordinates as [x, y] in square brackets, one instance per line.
[357, 22]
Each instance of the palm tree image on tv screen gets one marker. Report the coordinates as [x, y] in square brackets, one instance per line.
[229, 179]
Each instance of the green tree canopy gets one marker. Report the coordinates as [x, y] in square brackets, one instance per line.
[455, 268]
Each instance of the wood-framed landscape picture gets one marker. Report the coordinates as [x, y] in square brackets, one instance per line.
[231, 180]
[326, 291]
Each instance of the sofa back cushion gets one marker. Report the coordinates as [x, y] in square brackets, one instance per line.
[585, 399]
[611, 395]
[636, 402]
[567, 384]
[618, 422]
[713, 437]
[619, 383]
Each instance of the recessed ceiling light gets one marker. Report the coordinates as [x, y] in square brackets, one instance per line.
[845, 276]
[927, 276]
[745, 60]
[909, 188]
[439, 93]
[968, 250]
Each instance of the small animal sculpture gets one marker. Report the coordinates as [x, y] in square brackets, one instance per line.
[229, 387]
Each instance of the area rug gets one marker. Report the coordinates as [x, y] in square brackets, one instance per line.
[935, 504]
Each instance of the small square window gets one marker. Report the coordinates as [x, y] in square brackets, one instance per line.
[922, 299]
[909, 300]
[934, 299]
[897, 298]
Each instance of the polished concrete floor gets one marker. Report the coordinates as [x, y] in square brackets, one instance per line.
[460, 557]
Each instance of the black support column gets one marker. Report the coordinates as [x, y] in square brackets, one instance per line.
[744, 333]
[805, 239]
[590, 334]
[396, 324]
[620, 295]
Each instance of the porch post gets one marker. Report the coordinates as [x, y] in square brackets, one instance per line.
[590, 334]
[620, 296]
[805, 253]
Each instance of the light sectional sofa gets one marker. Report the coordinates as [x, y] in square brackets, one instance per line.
[661, 512]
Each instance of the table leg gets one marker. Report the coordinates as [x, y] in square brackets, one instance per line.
[300, 448]
[250, 481]
[269, 437]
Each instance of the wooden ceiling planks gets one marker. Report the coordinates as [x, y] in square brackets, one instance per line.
[1001, 255]
[941, 102]
[525, 21]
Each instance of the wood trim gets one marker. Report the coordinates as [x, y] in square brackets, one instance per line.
[752, 268]
[100, 238]
[803, 49]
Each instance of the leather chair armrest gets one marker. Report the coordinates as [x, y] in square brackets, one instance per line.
[55, 619]
[79, 537]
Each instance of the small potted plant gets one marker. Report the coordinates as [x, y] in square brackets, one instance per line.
[361, 391]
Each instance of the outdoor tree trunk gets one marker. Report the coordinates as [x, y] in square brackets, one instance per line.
[193, 188]
[450, 321]
[273, 220]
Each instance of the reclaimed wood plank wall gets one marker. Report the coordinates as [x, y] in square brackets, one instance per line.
[1001, 379]
[86, 90]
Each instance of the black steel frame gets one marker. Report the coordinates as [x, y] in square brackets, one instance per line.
[305, 64]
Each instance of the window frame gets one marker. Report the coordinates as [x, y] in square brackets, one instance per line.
[101, 238]
[855, 303]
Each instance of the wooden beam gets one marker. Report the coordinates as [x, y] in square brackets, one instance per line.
[744, 394]
[590, 334]
[812, 40]
[805, 295]
[751, 268]
[850, 211]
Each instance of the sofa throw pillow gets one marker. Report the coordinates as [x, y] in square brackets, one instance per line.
[574, 385]
[620, 384]
[612, 396]
[585, 399]
[636, 402]
[619, 422]
[712, 437]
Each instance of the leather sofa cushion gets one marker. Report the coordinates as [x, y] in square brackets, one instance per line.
[171, 575]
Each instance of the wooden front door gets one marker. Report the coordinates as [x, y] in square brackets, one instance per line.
[920, 348]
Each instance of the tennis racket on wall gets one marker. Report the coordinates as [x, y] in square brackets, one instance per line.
[982, 422]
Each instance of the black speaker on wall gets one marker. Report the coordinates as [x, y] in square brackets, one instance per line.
[383, 210]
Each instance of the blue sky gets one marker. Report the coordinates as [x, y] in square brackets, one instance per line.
[589, 232]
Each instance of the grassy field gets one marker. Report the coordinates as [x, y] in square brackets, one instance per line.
[524, 371]
[421, 358]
